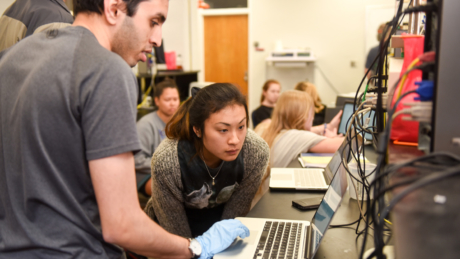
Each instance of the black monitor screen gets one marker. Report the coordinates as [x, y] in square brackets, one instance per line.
[160, 54]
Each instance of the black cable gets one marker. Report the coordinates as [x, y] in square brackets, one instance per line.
[378, 225]
[417, 159]
[383, 47]
[378, 240]
[345, 225]
[378, 182]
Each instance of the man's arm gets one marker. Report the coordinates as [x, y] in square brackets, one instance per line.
[123, 222]
[147, 137]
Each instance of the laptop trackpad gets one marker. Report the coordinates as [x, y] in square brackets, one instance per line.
[281, 177]
[239, 243]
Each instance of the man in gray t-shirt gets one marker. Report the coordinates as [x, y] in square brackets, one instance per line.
[151, 130]
[67, 138]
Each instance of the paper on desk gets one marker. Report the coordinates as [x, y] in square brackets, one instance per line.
[315, 159]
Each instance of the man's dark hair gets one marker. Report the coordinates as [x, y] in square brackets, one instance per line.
[97, 6]
[160, 87]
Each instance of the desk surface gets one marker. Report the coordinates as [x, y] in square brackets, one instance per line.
[337, 242]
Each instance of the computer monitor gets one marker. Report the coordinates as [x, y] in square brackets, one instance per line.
[160, 54]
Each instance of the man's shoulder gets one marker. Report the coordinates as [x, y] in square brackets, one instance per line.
[38, 12]
[54, 11]
[91, 56]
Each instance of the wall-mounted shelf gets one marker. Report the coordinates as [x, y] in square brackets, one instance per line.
[290, 61]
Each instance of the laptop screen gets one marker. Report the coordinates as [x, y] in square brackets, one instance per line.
[328, 207]
[346, 118]
[332, 198]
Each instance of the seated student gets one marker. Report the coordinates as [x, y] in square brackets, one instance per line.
[210, 166]
[290, 131]
[270, 93]
[151, 131]
[320, 111]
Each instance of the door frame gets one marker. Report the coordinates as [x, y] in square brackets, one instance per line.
[220, 12]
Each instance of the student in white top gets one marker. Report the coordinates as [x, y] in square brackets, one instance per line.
[290, 132]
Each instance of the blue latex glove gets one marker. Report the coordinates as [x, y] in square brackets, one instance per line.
[220, 236]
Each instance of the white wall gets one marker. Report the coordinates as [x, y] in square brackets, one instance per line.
[333, 29]
[176, 30]
[4, 4]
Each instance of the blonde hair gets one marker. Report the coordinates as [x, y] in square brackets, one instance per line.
[311, 90]
[291, 112]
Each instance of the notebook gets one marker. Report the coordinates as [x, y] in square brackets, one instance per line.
[290, 239]
[318, 160]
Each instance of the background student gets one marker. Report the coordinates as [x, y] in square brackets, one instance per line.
[68, 133]
[270, 93]
[320, 111]
[290, 131]
[210, 166]
[151, 130]
[26, 17]
[320, 108]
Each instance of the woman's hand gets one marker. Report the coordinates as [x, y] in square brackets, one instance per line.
[332, 127]
[335, 121]
[331, 132]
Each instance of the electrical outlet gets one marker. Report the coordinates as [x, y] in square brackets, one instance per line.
[353, 63]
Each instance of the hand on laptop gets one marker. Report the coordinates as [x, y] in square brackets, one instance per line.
[220, 236]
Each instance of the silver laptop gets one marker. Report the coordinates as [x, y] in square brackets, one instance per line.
[273, 238]
[308, 178]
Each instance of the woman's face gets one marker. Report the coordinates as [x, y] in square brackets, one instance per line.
[272, 93]
[224, 133]
[309, 122]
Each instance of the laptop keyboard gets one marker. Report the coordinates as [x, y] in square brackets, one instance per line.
[279, 240]
[313, 178]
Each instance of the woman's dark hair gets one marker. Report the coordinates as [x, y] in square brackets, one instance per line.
[97, 6]
[160, 87]
[266, 87]
[197, 109]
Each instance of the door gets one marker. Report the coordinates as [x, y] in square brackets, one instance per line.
[226, 50]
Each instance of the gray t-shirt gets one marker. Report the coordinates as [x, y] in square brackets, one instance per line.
[288, 144]
[26, 17]
[64, 100]
[151, 130]
[373, 53]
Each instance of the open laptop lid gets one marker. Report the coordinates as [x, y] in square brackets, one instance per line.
[346, 118]
[331, 200]
[336, 160]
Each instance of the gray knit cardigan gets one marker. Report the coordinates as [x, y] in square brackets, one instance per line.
[167, 201]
